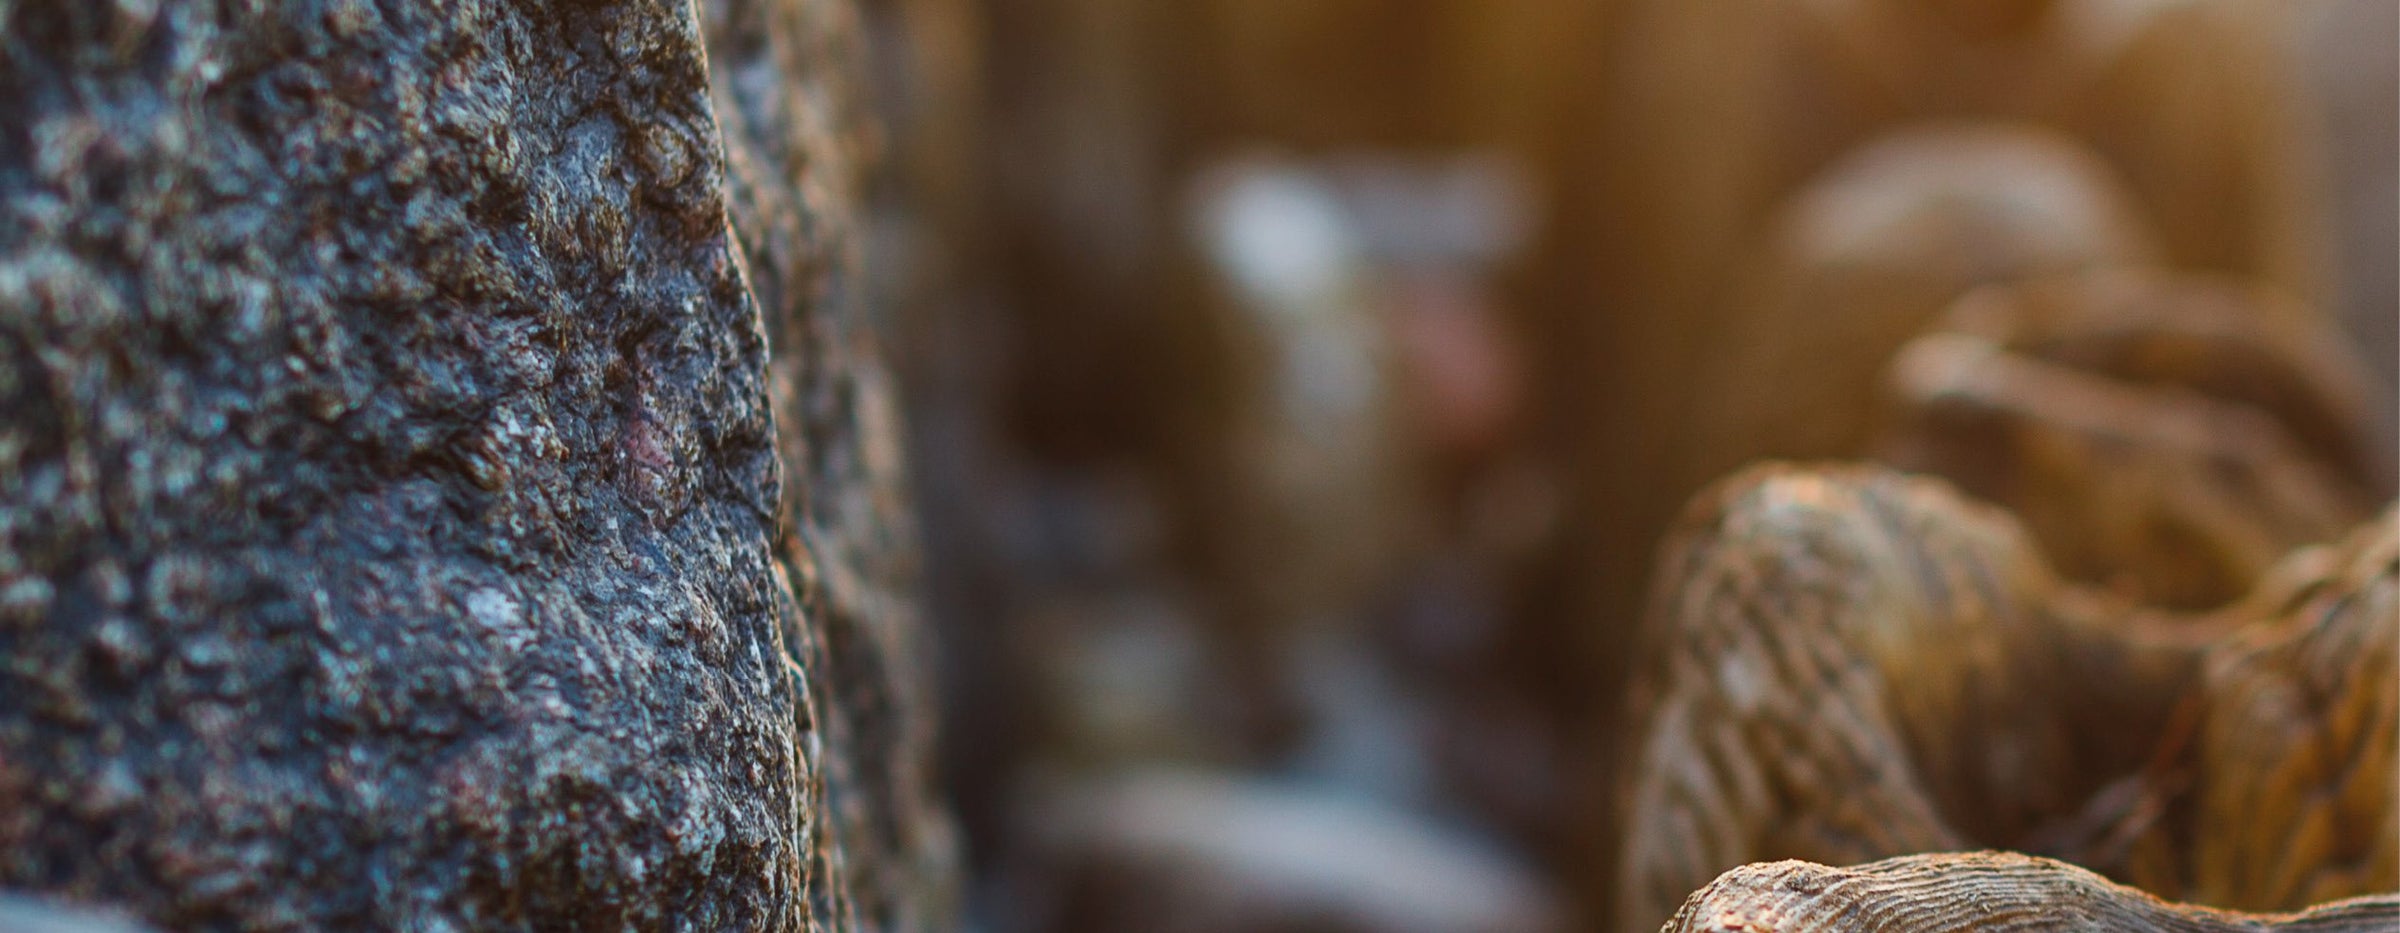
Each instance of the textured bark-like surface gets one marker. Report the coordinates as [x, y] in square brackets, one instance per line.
[1979, 891]
[389, 511]
[1850, 664]
[2169, 436]
[1816, 640]
[2292, 771]
[1717, 113]
[795, 132]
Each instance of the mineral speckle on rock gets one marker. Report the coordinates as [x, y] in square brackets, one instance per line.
[797, 145]
[391, 526]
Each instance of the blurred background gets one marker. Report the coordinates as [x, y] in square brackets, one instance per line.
[1299, 389]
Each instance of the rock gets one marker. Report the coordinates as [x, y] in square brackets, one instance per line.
[796, 134]
[25, 915]
[392, 532]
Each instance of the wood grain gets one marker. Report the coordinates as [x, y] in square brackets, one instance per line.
[1845, 663]
[1980, 891]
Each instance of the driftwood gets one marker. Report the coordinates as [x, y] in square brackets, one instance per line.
[2170, 436]
[1979, 891]
[1849, 664]
[1716, 114]
[2291, 772]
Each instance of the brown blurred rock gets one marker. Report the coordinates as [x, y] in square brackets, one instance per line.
[2353, 67]
[1847, 664]
[1872, 252]
[1736, 105]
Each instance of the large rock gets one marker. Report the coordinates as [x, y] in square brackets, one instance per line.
[392, 532]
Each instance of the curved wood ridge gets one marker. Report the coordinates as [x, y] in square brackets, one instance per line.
[1983, 891]
[1843, 664]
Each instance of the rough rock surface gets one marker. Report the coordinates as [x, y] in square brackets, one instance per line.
[796, 147]
[391, 526]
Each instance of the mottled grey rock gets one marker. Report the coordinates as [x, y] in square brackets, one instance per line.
[26, 915]
[797, 148]
[392, 533]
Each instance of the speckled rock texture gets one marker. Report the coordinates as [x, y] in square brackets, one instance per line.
[797, 149]
[392, 527]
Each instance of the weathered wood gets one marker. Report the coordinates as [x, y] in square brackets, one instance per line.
[1716, 113]
[1816, 641]
[2168, 436]
[2292, 770]
[1979, 891]
[1847, 664]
